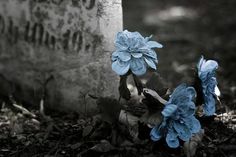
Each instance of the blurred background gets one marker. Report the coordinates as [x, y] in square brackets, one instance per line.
[189, 29]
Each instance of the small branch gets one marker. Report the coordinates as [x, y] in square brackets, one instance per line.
[41, 111]
[21, 108]
[24, 110]
[93, 96]
[155, 95]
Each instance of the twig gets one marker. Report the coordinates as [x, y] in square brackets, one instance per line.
[93, 96]
[42, 113]
[155, 95]
[24, 110]
[21, 108]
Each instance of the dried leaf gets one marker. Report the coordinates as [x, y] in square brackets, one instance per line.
[87, 130]
[154, 105]
[76, 145]
[103, 147]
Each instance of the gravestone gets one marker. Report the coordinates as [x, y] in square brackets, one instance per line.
[59, 50]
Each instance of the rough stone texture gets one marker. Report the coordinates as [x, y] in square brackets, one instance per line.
[58, 47]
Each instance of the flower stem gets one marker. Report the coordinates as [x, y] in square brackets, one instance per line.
[138, 84]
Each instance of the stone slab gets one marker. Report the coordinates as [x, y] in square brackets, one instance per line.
[58, 48]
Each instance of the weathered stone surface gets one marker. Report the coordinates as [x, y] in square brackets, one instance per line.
[62, 47]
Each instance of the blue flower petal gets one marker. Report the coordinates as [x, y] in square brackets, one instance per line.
[136, 54]
[209, 65]
[147, 38]
[150, 62]
[120, 67]
[209, 105]
[121, 43]
[193, 124]
[155, 134]
[206, 67]
[115, 54]
[191, 91]
[209, 86]
[196, 126]
[178, 113]
[124, 56]
[132, 34]
[139, 44]
[150, 53]
[182, 95]
[186, 109]
[178, 92]
[171, 139]
[131, 46]
[114, 58]
[138, 66]
[182, 130]
[154, 44]
[169, 110]
[200, 63]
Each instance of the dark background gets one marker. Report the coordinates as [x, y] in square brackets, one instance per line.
[187, 29]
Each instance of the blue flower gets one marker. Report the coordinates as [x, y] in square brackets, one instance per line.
[206, 73]
[179, 121]
[134, 52]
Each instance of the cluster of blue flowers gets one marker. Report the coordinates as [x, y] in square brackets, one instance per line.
[206, 73]
[179, 121]
[134, 52]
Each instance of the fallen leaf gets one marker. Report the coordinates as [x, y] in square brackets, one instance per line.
[104, 146]
[87, 130]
